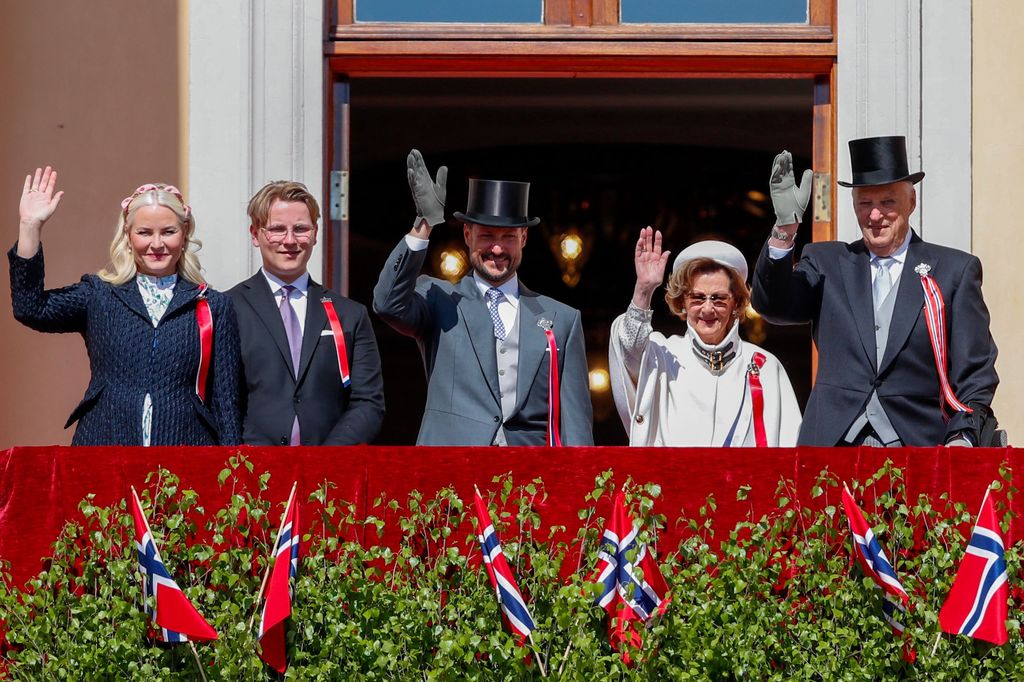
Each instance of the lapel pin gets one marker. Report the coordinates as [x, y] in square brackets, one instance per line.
[923, 269]
[545, 324]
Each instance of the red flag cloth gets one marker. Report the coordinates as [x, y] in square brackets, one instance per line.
[626, 595]
[171, 610]
[278, 605]
[513, 607]
[976, 605]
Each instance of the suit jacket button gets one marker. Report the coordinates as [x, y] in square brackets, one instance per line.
[284, 440]
[639, 419]
[297, 400]
[497, 419]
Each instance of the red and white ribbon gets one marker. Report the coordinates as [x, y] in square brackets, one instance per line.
[554, 438]
[204, 319]
[339, 341]
[934, 312]
[757, 399]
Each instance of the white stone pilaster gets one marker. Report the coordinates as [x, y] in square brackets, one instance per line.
[904, 68]
[255, 115]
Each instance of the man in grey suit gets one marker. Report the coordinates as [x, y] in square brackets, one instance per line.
[485, 340]
[879, 381]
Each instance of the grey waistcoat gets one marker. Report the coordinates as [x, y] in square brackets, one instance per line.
[507, 352]
[874, 413]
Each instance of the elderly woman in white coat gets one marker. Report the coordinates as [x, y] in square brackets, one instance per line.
[708, 387]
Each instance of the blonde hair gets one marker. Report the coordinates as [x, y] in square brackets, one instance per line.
[122, 267]
[280, 190]
[680, 283]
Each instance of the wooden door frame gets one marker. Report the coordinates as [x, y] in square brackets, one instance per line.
[582, 39]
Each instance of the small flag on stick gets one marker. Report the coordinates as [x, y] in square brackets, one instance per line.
[167, 605]
[627, 596]
[277, 607]
[875, 563]
[976, 605]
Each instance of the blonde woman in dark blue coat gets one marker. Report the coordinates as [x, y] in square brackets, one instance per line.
[163, 348]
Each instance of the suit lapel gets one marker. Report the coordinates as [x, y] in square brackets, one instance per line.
[129, 294]
[316, 320]
[184, 293]
[909, 300]
[480, 330]
[856, 274]
[532, 342]
[257, 295]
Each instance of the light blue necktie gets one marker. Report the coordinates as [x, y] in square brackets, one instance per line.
[883, 281]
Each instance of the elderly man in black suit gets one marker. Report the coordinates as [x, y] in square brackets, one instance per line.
[312, 370]
[905, 356]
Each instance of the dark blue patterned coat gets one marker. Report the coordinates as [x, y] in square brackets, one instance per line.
[129, 358]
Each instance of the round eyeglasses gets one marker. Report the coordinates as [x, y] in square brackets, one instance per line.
[278, 233]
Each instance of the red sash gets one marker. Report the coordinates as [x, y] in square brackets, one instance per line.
[757, 399]
[339, 341]
[934, 312]
[204, 318]
[554, 438]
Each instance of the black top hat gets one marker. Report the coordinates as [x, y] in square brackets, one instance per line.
[497, 203]
[880, 161]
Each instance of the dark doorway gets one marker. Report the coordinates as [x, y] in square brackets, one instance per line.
[605, 157]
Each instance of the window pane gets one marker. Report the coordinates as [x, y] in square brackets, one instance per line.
[714, 12]
[459, 11]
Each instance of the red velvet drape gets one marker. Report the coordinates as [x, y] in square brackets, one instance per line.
[41, 487]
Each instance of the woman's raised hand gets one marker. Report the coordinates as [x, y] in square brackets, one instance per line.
[38, 202]
[38, 199]
[650, 263]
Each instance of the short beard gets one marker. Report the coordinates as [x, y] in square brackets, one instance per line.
[482, 273]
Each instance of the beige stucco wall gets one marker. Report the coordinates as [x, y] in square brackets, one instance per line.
[998, 164]
[91, 88]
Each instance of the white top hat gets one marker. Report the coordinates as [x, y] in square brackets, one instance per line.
[720, 252]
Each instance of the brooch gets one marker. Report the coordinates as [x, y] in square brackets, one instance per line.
[923, 269]
[545, 324]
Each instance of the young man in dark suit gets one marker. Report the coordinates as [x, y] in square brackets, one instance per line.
[878, 381]
[304, 384]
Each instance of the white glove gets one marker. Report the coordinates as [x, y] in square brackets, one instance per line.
[788, 198]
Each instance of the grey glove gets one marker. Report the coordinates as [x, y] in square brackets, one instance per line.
[428, 194]
[788, 198]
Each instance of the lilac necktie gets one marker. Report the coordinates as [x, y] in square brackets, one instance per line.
[294, 333]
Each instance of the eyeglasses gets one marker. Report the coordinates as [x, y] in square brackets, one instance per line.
[278, 233]
[718, 301]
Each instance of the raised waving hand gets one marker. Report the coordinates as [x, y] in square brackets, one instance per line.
[650, 262]
[39, 199]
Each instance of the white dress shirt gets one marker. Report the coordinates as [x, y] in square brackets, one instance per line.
[298, 297]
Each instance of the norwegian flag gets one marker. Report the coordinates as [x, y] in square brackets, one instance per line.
[875, 563]
[513, 606]
[166, 604]
[976, 605]
[278, 605]
[625, 595]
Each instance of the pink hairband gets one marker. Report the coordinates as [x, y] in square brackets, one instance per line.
[142, 189]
